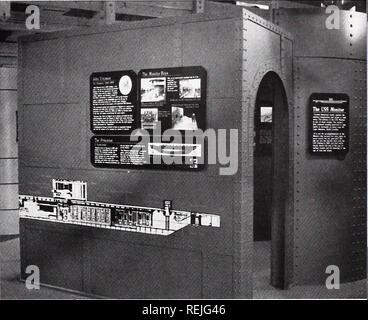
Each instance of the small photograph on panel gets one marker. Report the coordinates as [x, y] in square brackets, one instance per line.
[190, 88]
[149, 118]
[180, 121]
[125, 85]
[266, 114]
[153, 89]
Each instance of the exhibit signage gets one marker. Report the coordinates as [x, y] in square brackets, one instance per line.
[121, 152]
[329, 124]
[159, 100]
[174, 96]
[113, 102]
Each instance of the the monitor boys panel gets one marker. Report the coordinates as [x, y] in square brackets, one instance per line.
[175, 97]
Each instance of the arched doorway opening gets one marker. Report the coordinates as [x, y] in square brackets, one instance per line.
[271, 178]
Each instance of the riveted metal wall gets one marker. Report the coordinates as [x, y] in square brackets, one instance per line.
[359, 220]
[8, 152]
[213, 262]
[314, 39]
[237, 51]
[267, 48]
[330, 193]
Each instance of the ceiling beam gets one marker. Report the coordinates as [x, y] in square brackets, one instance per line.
[150, 9]
[66, 5]
[137, 7]
[276, 3]
[44, 27]
[109, 12]
[4, 10]
[65, 15]
[199, 6]
[47, 19]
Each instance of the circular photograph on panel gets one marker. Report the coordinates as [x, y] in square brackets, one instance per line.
[125, 85]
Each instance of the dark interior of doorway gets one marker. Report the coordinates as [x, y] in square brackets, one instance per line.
[271, 174]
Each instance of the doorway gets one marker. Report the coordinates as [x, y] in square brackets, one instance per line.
[271, 178]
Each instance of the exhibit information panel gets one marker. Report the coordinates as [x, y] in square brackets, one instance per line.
[166, 108]
[175, 97]
[329, 124]
[113, 102]
[121, 152]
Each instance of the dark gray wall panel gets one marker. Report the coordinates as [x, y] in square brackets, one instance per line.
[125, 50]
[60, 261]
[43, 72]
[213, 45]
[123, 264]
[264, 49]
[217, 281]
[325, 212]
[53, 135]
[309, 25]
[136, 271]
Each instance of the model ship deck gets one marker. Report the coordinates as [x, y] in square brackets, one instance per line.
[112, 216]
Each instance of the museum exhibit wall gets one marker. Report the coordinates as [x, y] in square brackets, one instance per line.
[54, 107]
[325, 217]
[329, 223]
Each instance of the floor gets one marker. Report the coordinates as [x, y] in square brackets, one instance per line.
[263, 290]
[12, 288]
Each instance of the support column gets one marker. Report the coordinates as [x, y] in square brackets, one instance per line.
[9, 215]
